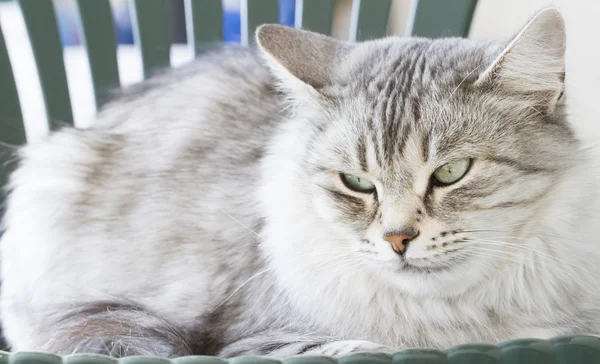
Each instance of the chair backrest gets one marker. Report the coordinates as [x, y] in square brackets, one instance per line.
[369, 18]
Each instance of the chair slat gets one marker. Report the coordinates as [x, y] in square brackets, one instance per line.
[204, 23]
[150, 20]
[255, 13]
[369, 19]
[40, 21]
[315, 15]
[98, 31]
[12, 129]
[443, 18]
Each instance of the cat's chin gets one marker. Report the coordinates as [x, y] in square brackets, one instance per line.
[440, 280]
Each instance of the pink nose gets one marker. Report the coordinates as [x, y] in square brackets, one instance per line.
[399, 242]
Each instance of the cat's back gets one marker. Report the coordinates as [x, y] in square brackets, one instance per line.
[224, 87]
[166, 174]
[199, 123]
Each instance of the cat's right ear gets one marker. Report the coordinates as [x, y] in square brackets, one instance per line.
[533, 64]
[300, 59]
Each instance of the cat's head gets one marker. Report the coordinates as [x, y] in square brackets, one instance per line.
[429, 159]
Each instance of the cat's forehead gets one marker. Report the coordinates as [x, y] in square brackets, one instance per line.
[413, 63]
[414, 82]
[401, 87]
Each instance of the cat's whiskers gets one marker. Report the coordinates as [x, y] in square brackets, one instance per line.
[240, 223]
[334, 264]
[555, 247]
[567, 277]
[502, 240]
[559, 264]
[445, 104]
[525, 248]
[280, 289]
[242, 286]
[306, 255]
[524, 236]
[518, 224]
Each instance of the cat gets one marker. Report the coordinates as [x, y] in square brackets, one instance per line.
[312, 196]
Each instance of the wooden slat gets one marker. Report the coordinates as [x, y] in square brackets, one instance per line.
[442, 18]
[98, 30]
[369, 19]
[315, 15]
[150, 20]
[204, 23]
[254, 13]
[177, 21]
[47, 51]
[12, 129]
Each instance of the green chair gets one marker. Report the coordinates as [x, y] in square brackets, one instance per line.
[566, 350]
[430, 18]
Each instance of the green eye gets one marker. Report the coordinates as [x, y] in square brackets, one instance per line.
[357, 184]
[452, 172]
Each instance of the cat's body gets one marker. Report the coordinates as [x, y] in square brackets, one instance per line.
[198, 218]
[200, 215]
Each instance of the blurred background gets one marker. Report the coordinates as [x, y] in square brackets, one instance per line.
[494, 20]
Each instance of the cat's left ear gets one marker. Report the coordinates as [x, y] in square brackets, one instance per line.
[533, 64]
[300, 59]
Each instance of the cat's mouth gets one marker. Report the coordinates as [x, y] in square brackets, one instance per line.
[409, 267]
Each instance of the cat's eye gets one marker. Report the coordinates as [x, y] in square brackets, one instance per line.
[356, 183]
[451, 172]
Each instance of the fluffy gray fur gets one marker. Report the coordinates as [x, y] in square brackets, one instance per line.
[204, 212]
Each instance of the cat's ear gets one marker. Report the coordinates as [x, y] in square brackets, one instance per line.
[534, 62]
[300, 58]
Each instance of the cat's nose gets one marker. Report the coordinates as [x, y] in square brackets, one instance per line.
[399, 241]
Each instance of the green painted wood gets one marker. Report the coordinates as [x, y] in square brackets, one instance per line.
[199, 359]
[369, 19]
[98, 30]
[420, 356]
[253, 360]
[85, 358]
[204, 23]
[33, 358]
[527, 352]
[143, 360]
[255, 13]
[442, 18]
[563, 350]
[308, 359]
[576, 349]
[315, 15]
[150, 20]
[12, 129]
[363, 358]
[475, 354]
[47, 51]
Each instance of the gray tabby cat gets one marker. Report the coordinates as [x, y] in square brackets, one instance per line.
[390, 194]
